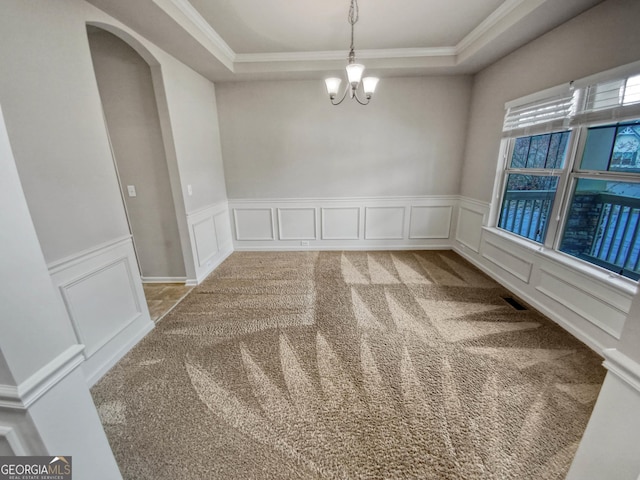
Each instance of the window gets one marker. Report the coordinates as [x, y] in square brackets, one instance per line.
[603, 220]
[531, 184]
[571, 180]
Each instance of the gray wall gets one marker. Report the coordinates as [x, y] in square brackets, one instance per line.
[52, 109]
[285, 140]
[604, 37]
[126, 90]
[191, 101]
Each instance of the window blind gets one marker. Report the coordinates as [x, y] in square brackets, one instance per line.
[607, 101]
[539, 116]
[609, 96]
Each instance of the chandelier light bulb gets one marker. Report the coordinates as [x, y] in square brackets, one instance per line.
[354, 73]
[369, 85]
[333, 85]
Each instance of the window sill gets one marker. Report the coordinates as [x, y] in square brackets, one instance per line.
[591, 272]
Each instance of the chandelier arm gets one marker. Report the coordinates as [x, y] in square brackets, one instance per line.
[355, 95]
[344, 95]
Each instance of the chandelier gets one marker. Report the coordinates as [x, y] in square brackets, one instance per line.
[354, 72]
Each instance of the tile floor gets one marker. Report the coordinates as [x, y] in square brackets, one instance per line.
[162, 297]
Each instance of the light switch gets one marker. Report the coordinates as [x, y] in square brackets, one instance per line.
[189, 190]
[131, 189]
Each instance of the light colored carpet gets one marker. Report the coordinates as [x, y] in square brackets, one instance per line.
[349, 365]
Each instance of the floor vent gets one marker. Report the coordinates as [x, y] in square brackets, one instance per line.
[514, 303]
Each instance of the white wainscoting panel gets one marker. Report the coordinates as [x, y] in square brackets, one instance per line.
[254, 223]
[576, 296]
[384, 223]
[471, 219]
[508, 259]
[297, 224]
[211, 239]
[590, 304]
[101, 303]
[102, 292]
[341, 223]
[430, 221]
[222, 224]
[376, 223]
[204, 234]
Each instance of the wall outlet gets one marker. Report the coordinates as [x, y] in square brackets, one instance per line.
[304, 243]
[131, 190]
[189, 190]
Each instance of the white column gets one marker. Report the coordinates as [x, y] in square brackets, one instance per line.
[45, 405]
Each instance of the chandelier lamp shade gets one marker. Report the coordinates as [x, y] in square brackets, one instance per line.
[354, 73]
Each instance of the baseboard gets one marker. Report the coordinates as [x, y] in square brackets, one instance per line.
[346, 247]
[108, 356]
[213, 264]
[163, 279]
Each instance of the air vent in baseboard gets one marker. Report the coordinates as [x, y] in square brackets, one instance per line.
[514, 303]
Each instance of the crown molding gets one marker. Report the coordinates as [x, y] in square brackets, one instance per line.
[205, 28]
[490, 26]
[509, 13]
[341, 55]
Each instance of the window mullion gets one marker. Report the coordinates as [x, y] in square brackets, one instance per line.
[563, 193]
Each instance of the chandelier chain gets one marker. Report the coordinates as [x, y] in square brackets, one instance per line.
[353, 18]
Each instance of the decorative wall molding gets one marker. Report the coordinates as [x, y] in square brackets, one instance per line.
[300, 228]
[506, 16]
[582, 300]
[84, 255]
[225, 54]
[384, 223]
[164, 279]
[591, 305]
[428, 222]
[595, 343]
[211, 239]
[204, 235]
[113, 287]
[472, 216]
[102, 292]
[340, 223]
[254, 224]
[11, 437]
[24, 395]
[504, 258]
[354, 223]
[623, 367]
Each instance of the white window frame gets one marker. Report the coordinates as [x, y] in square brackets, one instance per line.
[578, 117]
[559, 198]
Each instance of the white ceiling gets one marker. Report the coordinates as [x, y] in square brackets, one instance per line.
[262, 39]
